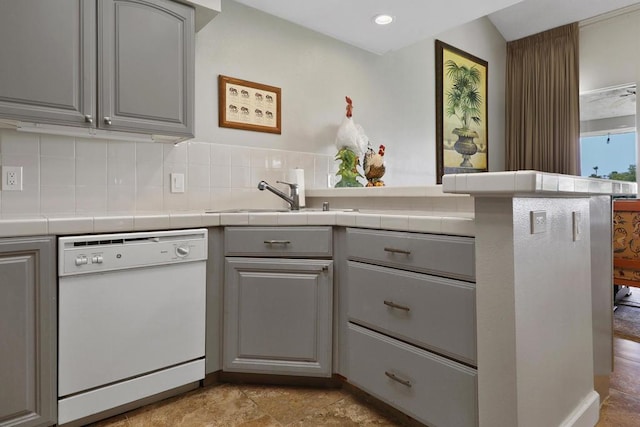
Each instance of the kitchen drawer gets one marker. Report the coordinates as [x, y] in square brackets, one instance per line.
[430, 388]
[429, 311]
[291, 242]
[448, 256]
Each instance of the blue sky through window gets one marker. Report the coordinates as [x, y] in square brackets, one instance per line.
[616, 155]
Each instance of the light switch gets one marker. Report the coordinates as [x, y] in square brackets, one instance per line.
[577, 226]
[538, 222]
[177, 182]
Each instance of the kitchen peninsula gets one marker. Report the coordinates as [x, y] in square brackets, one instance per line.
[542, 279]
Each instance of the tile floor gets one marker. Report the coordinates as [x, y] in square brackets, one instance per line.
[244, 405]
[260, 406]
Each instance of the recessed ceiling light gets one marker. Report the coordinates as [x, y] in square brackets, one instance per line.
[383, 19]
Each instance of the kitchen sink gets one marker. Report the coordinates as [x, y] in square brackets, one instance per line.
[303, 210]
[249, 211]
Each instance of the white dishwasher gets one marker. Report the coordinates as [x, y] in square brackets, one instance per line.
[131, 317]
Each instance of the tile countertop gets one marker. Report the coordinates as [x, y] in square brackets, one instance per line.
[454, 223]
[533, 183]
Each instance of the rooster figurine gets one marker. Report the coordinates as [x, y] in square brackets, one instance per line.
[373, 165]
[350, 142]
[351, 135]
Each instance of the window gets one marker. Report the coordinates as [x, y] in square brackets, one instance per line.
[609, 156]
[608, 133]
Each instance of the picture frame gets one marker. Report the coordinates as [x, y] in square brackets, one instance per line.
[462, 129]
[248, 105]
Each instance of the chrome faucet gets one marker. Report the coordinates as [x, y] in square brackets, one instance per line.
[293, 200]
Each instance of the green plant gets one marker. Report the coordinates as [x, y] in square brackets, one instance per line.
[464, 99]
[629, 175]
[347, 170]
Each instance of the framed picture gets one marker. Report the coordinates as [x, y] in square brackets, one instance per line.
[248, 105]
[462, 144]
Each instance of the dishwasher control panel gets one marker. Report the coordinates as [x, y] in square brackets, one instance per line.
[105, 252]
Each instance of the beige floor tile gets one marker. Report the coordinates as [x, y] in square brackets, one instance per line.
[287, 404]
[346, 412]
[224, 406]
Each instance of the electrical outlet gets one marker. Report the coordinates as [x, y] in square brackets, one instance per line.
[538, 222]
[12, 178]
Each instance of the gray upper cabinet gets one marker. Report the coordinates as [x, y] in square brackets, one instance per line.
[47, 60]
[123, 65]
[28, 389]
[146, 66]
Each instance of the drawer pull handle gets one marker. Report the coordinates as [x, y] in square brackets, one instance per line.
[277, 242]
[397, 251]
[398, 306]
[395, 378]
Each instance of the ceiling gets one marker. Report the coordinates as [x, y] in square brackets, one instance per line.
[415, 20]
[612, 102]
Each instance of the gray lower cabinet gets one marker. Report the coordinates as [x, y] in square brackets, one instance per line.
[409, 328]
[144, 51]
[28, 332]
[432, 389]
[436, 313]
[278, 316]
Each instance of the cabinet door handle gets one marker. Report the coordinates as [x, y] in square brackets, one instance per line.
[398, 306]
[395, 378]
[107, 120]
[277, 242]
[397, 251]
[88, 118]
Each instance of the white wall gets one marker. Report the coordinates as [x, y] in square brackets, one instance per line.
[393, 95]
[315, 73]
[410, 127]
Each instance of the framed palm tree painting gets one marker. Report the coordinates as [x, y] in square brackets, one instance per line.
[462, 144]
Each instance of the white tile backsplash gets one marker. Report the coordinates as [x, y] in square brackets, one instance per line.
[57, 199]
[92, 172]
[121, 198]
[26, 201]
[240, 177]
[57, 171]
[149, 199]
[57, 146]
[91, 199]
[220, 176]
[175, 153]
[198, 153]
[221, 155]
[198, 175]
[91, 176]
[20, 143]
[240, 156]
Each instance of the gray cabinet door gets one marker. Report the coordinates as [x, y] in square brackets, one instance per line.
[47, 61]
[146, 66]
[277, 316]
[27, 332]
